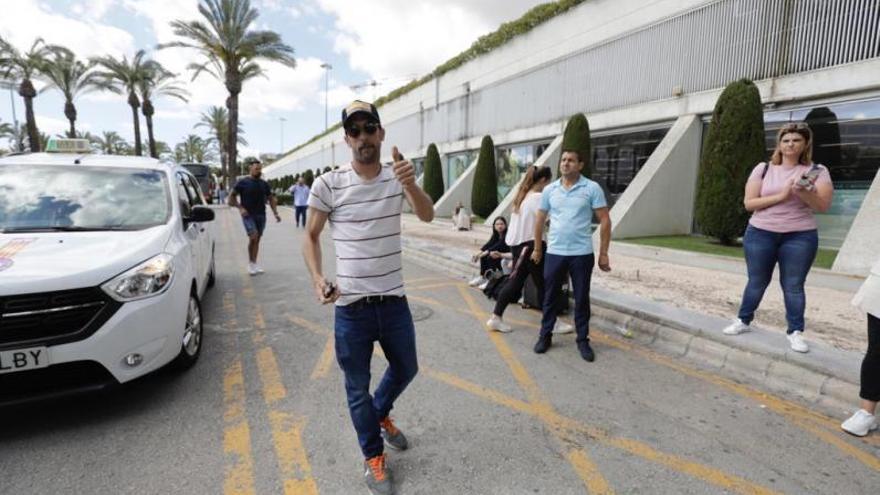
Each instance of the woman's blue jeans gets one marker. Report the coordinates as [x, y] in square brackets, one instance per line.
[358, 326]
[795, 252]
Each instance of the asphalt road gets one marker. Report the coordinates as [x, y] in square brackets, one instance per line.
[264, 410]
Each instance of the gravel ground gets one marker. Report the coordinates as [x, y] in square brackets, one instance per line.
[829, 318]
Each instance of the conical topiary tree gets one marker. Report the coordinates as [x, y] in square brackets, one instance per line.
[733, 145]
[308, 177]
[432, 182]
[484, 195]
[577, 138]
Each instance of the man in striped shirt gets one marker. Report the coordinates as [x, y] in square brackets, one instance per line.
[363, 202]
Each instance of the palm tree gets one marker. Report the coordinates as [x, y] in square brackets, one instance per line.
[124, 77]
[193, 149]
[231, 51]
[22, 67]
[71, 77]
[158, 82]
[110, 142]
[216, 120]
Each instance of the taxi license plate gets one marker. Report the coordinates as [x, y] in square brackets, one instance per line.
[23, 359]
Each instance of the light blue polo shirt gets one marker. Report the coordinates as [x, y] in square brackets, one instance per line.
[571, 216]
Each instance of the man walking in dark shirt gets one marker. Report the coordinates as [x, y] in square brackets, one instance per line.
[254, 193]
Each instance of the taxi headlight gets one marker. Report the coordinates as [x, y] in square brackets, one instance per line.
[147, 279]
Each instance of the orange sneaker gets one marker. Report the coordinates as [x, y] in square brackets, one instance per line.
[394, 438]
[377, 476]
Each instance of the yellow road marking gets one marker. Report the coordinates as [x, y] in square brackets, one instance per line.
[437, 286]
[239, 475]
[322, 368]
[797, 414]
[580, 461]
[423, 280]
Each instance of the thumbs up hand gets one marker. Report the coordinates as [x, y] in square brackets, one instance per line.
[403, 169]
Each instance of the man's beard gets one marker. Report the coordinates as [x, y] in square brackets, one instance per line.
[367, 154]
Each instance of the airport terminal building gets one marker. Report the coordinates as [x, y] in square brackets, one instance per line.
[647, 75]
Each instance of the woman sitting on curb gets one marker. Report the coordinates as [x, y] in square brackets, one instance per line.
[491, 254]
[868, 300]
[783, 196]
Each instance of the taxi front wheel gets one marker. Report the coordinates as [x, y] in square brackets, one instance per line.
[191, 345]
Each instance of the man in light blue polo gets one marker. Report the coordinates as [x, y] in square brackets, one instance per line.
[300, 193]
[570, 203]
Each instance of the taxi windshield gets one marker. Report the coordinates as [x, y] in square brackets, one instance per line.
[37, 198]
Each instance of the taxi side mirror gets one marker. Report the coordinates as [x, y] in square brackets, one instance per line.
[200, 214]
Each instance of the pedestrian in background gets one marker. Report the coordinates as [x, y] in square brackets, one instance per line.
[300, 194]
[783, 195]
[490, 255]
[868, 300]
[254, 193]
[363, 202]
[570, 202]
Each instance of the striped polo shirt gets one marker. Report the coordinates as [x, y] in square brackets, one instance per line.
[364, 216]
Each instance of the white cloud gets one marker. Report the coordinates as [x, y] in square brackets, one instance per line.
[414, 36]
[22, 22]
[53, 126]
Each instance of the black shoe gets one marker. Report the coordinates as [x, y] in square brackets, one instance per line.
[586, 352]
[543, 344]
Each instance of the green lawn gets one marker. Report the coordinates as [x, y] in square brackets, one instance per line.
[700, 244]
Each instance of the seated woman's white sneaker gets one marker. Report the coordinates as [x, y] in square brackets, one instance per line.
[495, 323]
[476, 281]
[860, 424]
[562, 327]
[796, 340]
[736, 328]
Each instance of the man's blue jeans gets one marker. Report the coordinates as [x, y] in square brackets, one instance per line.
[357, 326]
[795, 252]
[580, 269]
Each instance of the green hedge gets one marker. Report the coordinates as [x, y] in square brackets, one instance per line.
[432, 182]
[733, 145]
[484, 195]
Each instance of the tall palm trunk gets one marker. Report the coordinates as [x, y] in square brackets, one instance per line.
[148, 112]
[28, 93]
[70, 113]
[233, 85]
[135, 103]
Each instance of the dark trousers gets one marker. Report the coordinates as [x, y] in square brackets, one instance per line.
[488, 263]
[523, 267]
[795, 252]
[580, 269]
[301, 212]
[870, 389]
[357, 327]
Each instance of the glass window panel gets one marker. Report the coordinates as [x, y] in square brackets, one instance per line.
[618, 158]
[456, 165]
[513, 161]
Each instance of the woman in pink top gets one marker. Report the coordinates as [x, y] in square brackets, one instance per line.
[783, 196]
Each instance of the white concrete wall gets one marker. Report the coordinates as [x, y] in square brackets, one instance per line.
[460, 190]
[550, 158]
[660, 199]
[860, 248]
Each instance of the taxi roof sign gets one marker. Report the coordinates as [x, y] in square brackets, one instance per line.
[67, 145]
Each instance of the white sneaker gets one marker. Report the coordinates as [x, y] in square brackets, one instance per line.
[860, 424]
[476, 281]
[259, 268]
[495, 323]
[252, 269]
[562, 327]
[736, 328]
[797, 342]
[483, 284]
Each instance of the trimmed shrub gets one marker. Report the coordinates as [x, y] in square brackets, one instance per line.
[484, 195]
[577, 138]
[433, 174]
[733, 145]
[308, 177]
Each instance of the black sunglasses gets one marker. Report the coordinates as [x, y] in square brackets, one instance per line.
[354, 131]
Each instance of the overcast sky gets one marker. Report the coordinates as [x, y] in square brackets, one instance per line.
[390, 41]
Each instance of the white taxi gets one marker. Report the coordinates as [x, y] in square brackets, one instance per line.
[103, 264]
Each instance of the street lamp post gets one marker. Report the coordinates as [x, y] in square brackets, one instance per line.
[282, 120]
[327, 67]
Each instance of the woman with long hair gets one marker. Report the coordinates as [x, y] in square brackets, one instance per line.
[783, 196]
[520, 236]
[491, 254]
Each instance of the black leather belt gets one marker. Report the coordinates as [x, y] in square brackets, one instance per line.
[378, 299]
